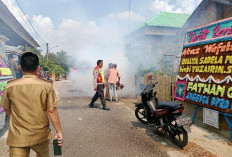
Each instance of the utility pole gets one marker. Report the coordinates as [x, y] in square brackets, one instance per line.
[47, 51]
[50, 49]
[129, 15]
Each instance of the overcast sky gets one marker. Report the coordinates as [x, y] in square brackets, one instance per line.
[67, 22]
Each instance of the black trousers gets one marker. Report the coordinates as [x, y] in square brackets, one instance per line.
[99, 94]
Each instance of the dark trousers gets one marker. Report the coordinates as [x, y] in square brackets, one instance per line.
[99, 94]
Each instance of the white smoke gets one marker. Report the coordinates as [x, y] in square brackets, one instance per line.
[89, 40]
[106, 43]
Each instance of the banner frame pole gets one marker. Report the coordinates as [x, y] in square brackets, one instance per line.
[226, 115]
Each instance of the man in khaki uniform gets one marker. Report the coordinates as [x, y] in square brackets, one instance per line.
[29, 102]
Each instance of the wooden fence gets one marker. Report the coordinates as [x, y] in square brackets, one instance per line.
[165, 87]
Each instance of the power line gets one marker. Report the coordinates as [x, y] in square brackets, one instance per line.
[44, 44]
[23, 19]
[129, 15]
[43, 41]
[26, 22]
[29, 21]
[23, 9]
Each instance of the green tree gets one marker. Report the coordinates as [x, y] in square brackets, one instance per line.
[57, 62]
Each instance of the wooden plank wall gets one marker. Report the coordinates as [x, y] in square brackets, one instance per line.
[164, 88]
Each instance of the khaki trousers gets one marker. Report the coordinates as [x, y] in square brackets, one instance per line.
[41, 150]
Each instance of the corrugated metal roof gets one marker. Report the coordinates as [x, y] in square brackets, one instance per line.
[167, 19]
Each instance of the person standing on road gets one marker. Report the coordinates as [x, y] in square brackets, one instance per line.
[106, 75]
[12, 65]
[40, 73]
[113, 75]
[29, 102]
[99, 85]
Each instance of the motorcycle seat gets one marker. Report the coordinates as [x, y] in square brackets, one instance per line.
[168, 105]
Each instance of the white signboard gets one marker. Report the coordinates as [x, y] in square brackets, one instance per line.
[211, 117]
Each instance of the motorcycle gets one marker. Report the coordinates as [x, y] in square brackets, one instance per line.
[164, 116]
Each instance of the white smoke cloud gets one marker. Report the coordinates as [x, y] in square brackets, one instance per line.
[162, 5]
[87, 42]
[128, 16]
[45, 27]
[76, 35]
[188, 6]
[178, 6]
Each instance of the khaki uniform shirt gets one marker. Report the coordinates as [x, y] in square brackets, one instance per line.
[28, 98]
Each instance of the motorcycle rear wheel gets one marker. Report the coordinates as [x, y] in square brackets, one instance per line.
[180, 137]
[141, 115]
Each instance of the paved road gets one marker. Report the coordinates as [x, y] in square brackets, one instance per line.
[95, 132]
[115, 133]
